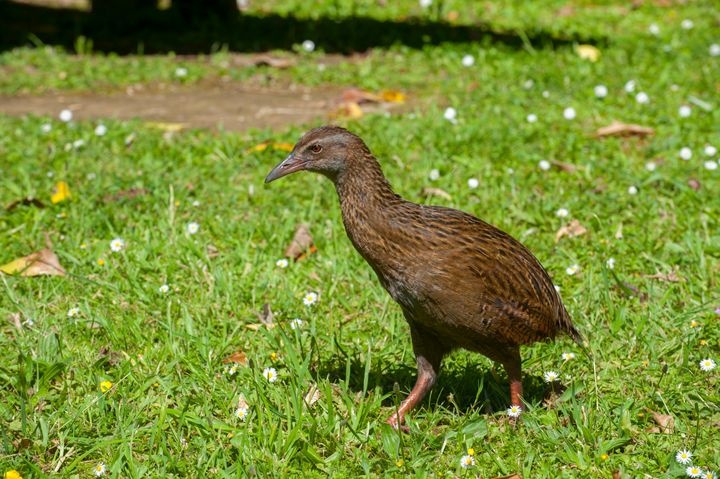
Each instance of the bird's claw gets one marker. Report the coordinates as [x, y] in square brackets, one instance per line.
[393, 421]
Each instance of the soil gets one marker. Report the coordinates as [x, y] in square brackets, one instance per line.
[232, 106]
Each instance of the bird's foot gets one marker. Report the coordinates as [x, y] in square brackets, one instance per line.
[398, 423]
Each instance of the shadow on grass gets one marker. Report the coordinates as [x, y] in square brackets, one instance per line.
[128, 30]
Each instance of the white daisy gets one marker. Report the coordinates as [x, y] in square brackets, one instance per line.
[434, 174]
[193, 228]
[650, 166]
[610, 263]
[654, 29]
[196, 203]
[514, 411]
[241, 413]
[630, 86]
[66, 115]
[281, 263]
[568, 356]
[78, 143]
[710, 150]
[544, 165]
[715, 50]
[642, 98]
[270, 374]
[450, 114]
[46, 127]
[308, 46]
[562, 213]
[601, 91]
[685, 153]
[684, 456]
[711, 165]
[572, 269]
[100, 469]
[468, 60]
[632, 190]
[684, 111]
[296, 323]
[551, 376]
[467, 461]
[545, 94]
[117, 245]
[528, 84]
[687, 24]
[569, 113]
[707, 364]
[72, 312]
[100, 130]
[532, 118]
[709, 475]
[693, 471]
[181, 72]
[473, 183]
[164, 289]
[310, 299]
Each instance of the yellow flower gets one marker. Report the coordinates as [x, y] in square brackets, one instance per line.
[471, 452]
[12, 474]
[101, 262]
[604, 457]
[273, 356]
[400, 463]
[703, 342]
[105, 386]
[694, 324]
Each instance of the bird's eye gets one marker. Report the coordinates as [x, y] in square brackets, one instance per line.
[316, 148]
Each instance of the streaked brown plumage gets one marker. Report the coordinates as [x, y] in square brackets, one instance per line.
[460, 282]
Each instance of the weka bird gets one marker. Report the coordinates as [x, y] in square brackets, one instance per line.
[460, 282]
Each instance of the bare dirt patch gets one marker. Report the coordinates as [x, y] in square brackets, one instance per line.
[234, 106]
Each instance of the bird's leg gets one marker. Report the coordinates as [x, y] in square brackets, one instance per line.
[512, 368]
[428, 354]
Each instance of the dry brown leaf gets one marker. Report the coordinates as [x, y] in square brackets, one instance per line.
[301, 244]
[616, 474]
[212, 251]
[358, 96]
[242, 402]
[267, 316]
[568, 167]
[617, 128]
[665, 421]
[312, 396]
[41, 263]
[125, 195]
[28, 201]
[238, 357]
[671, 277]
[429, 191]
[572, 229]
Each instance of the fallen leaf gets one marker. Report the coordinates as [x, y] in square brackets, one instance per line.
[237, 357]
[568, 167]
[28, 201]
[14, 318]
[301, 244]
[41, 263]
[665, 422]
[266, 316]
[511, 476]
[167, 127]
[348, 109]
[61, 192]
[588, 52]
[617, 128]
[212, 251]
[694, 184]
[572, 229]
[125, 194]
[392, 96]
[312, 396]
[671, 277]
[429, 191]
[242, 402]
[358, 96]
[616, 474]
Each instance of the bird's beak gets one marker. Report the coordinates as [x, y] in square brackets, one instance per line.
[289, 165]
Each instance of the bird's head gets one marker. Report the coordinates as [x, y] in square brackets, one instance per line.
[327, 150]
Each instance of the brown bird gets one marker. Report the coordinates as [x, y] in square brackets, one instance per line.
[460, 281]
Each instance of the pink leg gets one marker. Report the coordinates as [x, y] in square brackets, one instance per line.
[513, 370]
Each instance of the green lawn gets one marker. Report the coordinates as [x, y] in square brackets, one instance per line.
[171, 409]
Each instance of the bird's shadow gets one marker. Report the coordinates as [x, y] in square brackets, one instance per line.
[475, 384]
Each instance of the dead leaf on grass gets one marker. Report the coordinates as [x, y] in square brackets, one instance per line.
[616, 474]
[302, 243]
[568, 167]
[212, 251]
[28, 201]
[665, 422]
[125, 195]
[572, 229]
[14, 318]
[266, 317]
[312, 396]
[511, 476]
[41, 263]
[61, 192]
[617, 128]
[429, 191]
[238, 357]
[671, 277]
[242, 402]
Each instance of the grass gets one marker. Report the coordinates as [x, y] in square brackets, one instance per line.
[170, 412]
